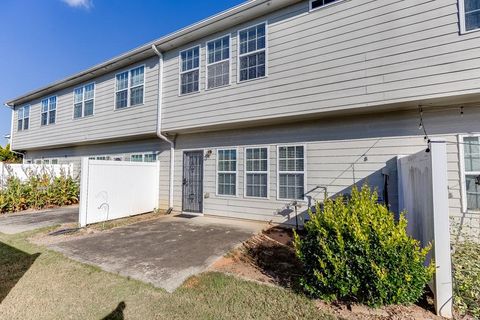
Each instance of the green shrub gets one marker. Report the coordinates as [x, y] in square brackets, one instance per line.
[466, 271]
[355, 250]
[40, 190]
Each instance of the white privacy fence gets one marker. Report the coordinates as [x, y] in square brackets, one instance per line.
[115, 189]
[23, 171]
[423, 193]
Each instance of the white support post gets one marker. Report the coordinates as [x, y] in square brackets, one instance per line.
[441, 225]
[83, 192]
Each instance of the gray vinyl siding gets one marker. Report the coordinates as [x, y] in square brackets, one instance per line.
[74, 154]
[106, 123]
[350, 55]
[332, 147]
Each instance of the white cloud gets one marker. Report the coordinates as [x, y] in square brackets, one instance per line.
[86, 4]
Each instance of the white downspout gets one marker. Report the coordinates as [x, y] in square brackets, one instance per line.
[159, 126]
[11, 126]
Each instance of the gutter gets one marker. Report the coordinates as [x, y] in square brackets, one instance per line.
[159, 127]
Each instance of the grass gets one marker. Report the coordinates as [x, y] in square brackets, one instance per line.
[36, 283]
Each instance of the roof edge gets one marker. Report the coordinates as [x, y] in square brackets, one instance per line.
[60, 84]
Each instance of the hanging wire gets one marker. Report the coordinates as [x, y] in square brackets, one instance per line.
[422, 127]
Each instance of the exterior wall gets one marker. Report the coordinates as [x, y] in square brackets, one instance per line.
[353, 54]
[74, 154]
[339, 153]
[106, 123]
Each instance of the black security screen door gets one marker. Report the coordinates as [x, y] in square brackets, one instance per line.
[193, 181]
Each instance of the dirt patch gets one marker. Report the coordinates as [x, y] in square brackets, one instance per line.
[53, 236]
[270, 258]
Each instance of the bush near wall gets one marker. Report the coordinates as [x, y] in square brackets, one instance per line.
[37, 192]
[354, 250]
[466, 272]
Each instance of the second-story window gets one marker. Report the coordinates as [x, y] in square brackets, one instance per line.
[190, 70]
[469, 15]
[252, 53]
[314, 4]
[83, 101]
[130, 88]
[23, 118]
[218, 62]
[49, 111]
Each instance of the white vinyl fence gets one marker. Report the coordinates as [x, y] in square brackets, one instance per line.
[23, 171]
[115, 189]
[423, 193]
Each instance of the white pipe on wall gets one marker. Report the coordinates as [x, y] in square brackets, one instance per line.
[159, 126]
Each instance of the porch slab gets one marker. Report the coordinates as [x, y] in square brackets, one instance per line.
[163, 252]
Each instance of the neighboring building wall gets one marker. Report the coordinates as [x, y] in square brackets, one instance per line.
[106, 123]
[339, 152]
[119, 149]
[352, 54]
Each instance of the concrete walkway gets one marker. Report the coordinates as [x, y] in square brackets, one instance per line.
[12, 223]
[163, 252]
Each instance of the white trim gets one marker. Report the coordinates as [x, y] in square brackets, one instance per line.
[310, 9]
[245, 171]
[253, 52]
[48, 110]
[129, 87]
[217, 172]
[229, 35]
[180, 72]
[83, 100]
[463, 173]
[462, 20]
[304, 172]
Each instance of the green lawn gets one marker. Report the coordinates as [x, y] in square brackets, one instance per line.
[36, 283]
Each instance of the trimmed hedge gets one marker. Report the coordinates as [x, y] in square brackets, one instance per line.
[355, 250]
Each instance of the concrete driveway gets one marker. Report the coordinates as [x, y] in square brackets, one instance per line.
[163, 252]
[21, 222]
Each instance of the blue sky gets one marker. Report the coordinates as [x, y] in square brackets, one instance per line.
[42, 41]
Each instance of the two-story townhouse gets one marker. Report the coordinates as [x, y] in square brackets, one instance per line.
[258, 106]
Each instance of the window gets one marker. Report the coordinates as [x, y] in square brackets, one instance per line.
[49, 110]
[252, 52]
[190, 70]
[256, 172]
[129, 88]
[152, 157]
[469, 15]
[83, 98]
[291, 172]
[314, 4]
[471, 174]
[227, 172]
[23, 114]
[218, 63]
[54, 161]
[136, 158]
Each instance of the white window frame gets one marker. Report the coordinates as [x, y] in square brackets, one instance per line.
[23, 117]
[310, 5]
[129, 88]
[257, 172]
[218, 62]
[180, 72]
[463, 22]
[83, 100]
[48, 111]
[463, 173]
[217, 172]
[292, 172]
[253, 52]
